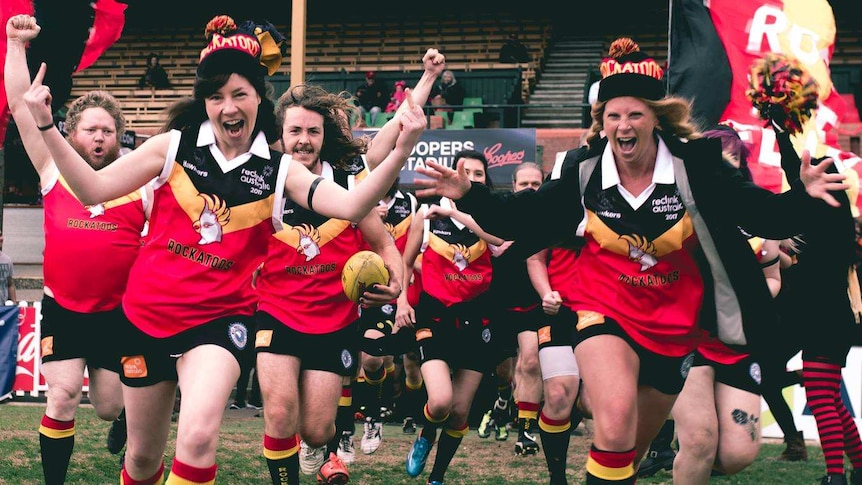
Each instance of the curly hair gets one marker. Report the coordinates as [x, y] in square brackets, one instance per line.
[340, 148]
[673, 114]
[96, 99]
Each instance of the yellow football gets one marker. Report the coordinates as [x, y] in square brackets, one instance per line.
[362, 271]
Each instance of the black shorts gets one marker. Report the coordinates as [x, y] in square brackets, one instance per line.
[380, 318]
[558, 330]
[460, 335]
[334, 352]
[744, 375]
[67, 334]
[664, 373]
[510, 322]
[149, 360]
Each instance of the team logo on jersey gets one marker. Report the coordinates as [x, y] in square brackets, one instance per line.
[346, 358]
[686, 365]
[754, 372]
[641, 250]
[214, 216]
[461, 256]
[309, 239]
[486, 335]
[238, 333]
[267, 170]
[96, 210]
[388, 309]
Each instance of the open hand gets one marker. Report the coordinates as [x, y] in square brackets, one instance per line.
[442, 181]
[818, 182]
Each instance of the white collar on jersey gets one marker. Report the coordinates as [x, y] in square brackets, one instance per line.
[206, 137]
[662, 173]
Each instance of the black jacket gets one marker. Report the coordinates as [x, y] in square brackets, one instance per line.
[737, 305]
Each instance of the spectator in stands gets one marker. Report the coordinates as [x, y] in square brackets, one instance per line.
[155, 76]
[449, 92]
[372, 96]
[397, 97]
[513, 50]
[7, 282]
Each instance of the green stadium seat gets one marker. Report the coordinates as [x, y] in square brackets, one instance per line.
[461, 120]
[474, 101]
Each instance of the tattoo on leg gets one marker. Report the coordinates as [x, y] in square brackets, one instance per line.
[748, 421]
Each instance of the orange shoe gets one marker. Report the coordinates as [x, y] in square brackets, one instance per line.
[333, 472]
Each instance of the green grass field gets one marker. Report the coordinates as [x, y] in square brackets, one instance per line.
[478, 462]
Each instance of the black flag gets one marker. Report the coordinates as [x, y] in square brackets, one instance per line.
[698, 67]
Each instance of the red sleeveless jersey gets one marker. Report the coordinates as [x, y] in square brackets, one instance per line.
[638, 266]
[89, 250]
[456, 263]
[207, 235]
[300, 283]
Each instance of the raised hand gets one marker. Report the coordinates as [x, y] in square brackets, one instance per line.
[38, 99]
[433, 61]
[22, 28]
[442, 181]
[818, 182]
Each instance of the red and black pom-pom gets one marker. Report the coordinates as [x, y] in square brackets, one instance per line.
[221, 24]
[782, 91]
[622, 46]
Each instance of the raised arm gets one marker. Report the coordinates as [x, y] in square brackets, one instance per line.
[384, 140]
[330, 199]
[126, 174]
[21, 29]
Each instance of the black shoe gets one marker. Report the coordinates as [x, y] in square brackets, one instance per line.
[117, 434]
[409, 426]
[526, 444]
[655, 461]
[834, 479]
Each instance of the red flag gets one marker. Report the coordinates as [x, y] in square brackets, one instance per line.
[107, 28]
[8, 9]
[800, 29]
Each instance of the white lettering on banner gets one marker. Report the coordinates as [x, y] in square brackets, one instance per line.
[436, 147]
[27, 351]
[769, 22]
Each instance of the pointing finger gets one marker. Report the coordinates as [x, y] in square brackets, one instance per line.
[40, 75]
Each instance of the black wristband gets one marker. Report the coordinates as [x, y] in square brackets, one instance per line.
[311, 191]
[46, 127]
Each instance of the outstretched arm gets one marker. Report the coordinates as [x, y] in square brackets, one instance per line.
[126, 174]
[384, 140]
[332, 200]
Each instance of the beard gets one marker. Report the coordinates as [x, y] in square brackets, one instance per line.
[97, 162]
